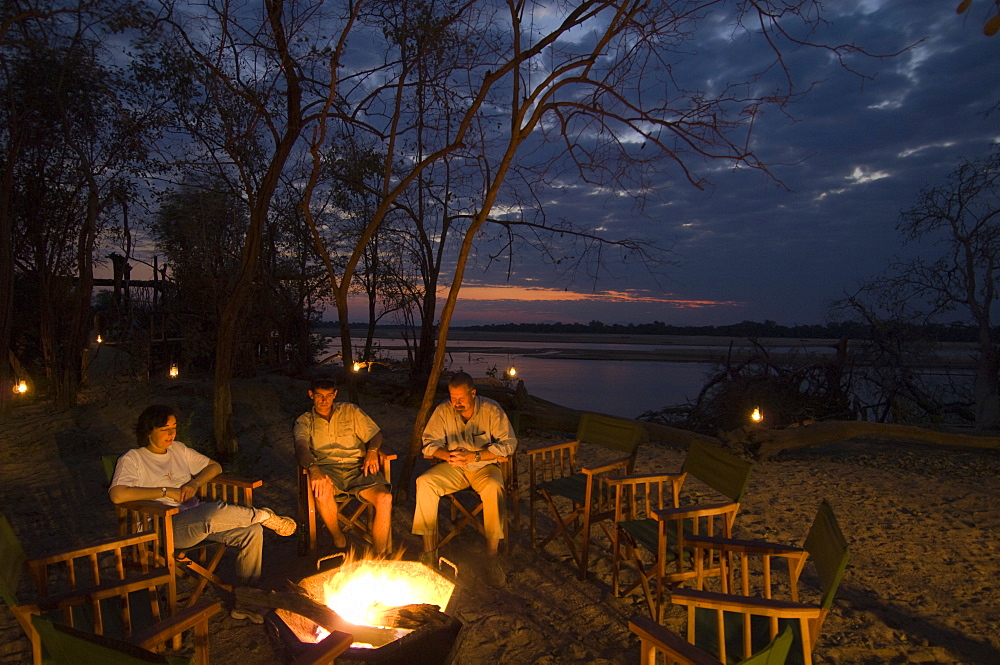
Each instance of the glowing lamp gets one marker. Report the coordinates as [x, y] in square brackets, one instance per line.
[358, 367]
[756, 416]
[99, 340]
[512, 372]
[21, 387]
[174, 371]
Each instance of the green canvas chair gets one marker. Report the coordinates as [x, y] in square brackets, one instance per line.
[657, 640]
[577, 500]
[65, 645]
[109, 587]
[651, 541]
[751, 613]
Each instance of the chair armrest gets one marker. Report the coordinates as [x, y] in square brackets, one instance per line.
[150, 638]
[569, 445]
[699, 510]
[105, 545]
[90, 594]
[621, 463]
[156, 508]
[637, 478]
[236, 481]
[745, 546]
[748, 605]
[663, 639]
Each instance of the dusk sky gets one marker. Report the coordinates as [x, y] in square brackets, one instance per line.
[853, 154]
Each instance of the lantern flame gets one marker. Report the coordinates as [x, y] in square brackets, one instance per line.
[512, 372]
[99, 340]
[174, 371]
[21, 387]
[756, 416]
[358, 367]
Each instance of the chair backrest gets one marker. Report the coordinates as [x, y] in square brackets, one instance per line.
[12, 559]
[614, 433]
[69, 646]
[829, 552]
[725, 473]
[657, 639]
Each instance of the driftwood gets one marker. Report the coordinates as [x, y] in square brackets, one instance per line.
[767, 442]
[303, 605]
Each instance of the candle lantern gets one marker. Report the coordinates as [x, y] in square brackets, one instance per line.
[174, 371]
[20, 387]
[757, 416]
[99, 340]
[512, 372]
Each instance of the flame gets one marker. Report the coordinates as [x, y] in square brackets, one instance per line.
[512, 372]
[756, 416]
[359, 592]
[174, 371]
[21, 387]
[99, 340]
[357, 367]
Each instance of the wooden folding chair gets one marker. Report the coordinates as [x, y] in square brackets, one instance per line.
[463, 515]
[637, 498]
[354, 515]
[661, 535]
[732, 623]
[554, 481]
[198, 562]
[65, 645]
[657, 640]
[110, 587]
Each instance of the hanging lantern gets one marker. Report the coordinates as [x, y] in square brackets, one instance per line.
[174, 371]
[21, 387]
[99, 340]
[756, 416]
[512, 372]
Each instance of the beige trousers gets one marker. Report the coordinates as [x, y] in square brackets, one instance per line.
[443, 479]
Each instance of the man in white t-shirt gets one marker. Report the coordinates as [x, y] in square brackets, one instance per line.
[165, 470]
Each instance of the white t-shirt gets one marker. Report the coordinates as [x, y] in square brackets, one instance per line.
[141, 468]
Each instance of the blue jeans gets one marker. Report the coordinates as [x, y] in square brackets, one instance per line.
[234, 526]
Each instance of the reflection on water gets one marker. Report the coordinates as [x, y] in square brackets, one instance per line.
[623, 388]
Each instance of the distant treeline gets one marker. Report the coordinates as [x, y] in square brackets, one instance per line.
[833, 330]
[955, 332]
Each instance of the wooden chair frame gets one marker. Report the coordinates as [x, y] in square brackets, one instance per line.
[198, 562]
[352, 514]
[326, 651]
[552, 473]
[637, 498]
[79, 579]
[658, 640]
[465, 516]
[663, 534]
[825, 546]
[64, 640]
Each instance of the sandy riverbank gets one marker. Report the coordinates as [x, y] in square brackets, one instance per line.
[921, 586]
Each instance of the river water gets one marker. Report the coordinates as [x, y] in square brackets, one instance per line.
[625, 388]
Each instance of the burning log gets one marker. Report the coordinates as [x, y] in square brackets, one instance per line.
[297, 602]
[412, 616]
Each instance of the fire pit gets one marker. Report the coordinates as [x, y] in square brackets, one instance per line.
[364, 593]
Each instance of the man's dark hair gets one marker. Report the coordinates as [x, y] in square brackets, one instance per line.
[462, 380]
[154, 416]
[323, 383]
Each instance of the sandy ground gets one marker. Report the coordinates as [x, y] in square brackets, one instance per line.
[921, 586]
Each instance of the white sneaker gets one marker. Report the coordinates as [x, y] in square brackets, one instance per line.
[241, 612]
[283, 526]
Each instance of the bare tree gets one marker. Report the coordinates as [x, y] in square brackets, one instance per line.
[957, 225]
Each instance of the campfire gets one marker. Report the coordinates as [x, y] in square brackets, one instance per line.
[402, 604]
